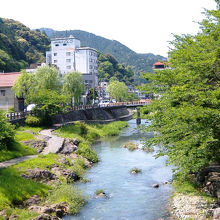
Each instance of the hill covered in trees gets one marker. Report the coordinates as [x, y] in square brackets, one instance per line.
[108, 67]
[126, 56]
[20, 46]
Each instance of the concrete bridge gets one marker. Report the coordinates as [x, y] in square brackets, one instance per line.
[87, 112]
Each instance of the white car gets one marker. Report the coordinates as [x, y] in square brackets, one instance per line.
[104, 103]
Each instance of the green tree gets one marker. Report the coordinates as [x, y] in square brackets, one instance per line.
[6, 132]
[186, 117]
[73, 86]
[24, 84]
[47, 78]
[117, 90]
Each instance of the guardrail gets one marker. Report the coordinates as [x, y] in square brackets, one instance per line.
[19, 115]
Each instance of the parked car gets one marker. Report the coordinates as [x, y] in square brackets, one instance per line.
[104, 103]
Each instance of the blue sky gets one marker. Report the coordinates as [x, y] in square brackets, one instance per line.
[145, 26]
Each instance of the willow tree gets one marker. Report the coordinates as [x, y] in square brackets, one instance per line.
[117, 90]
[186, 117]
[23, 85]
[73, 86]
[47, 78]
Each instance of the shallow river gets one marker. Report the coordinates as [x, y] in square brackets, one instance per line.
[130, 197]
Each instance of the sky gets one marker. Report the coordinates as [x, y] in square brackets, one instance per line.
[145, 26]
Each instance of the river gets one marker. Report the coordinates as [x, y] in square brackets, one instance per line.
[130, 197]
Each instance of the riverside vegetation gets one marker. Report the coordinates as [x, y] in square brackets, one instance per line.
[42, 186]
[185, 110]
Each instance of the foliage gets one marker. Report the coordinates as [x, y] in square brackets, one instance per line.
[127, 57]
[85, 151]
[109, 67]
[73, 86]
[48, 102]
[47, 78]
[11, 193]
[117, 90]
[67, 193]
[186, 117]
[20, 46]
[6, 132]
[24, 84]
[32, 121]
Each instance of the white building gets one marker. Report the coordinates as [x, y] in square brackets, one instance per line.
[68, 56]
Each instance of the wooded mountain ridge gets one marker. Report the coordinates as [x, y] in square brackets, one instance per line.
[20, 46]
[137, 62]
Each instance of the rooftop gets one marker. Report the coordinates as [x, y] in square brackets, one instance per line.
[158, 63]
[8, 79]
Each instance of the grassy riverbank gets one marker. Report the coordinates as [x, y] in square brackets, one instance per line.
[16, 186]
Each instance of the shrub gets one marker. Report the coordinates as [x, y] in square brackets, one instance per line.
[32, 121]
[6, 132]
[85, 151]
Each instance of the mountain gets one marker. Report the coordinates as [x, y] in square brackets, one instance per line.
[20, 46]
[138, 62]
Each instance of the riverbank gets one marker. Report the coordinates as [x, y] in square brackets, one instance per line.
[189, 202]
[44, 185]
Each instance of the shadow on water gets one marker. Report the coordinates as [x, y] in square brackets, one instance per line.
[129, 196]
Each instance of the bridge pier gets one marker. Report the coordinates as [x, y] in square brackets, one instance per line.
[138, 120]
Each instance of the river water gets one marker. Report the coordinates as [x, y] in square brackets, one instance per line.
[130, 197]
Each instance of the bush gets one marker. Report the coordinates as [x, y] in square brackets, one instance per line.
[32, 121]
[85, 151]
[83, 129]
[6, 132]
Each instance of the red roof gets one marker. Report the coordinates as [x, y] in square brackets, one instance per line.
[158, 63]
[8, 79]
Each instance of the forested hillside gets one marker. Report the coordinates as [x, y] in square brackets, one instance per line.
[20, 46]
[110, 67]
[126, 56]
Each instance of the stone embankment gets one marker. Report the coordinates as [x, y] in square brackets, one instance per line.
[196, 207]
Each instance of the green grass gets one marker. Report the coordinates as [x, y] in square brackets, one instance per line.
[24, 136]
[85, 151]
[188, 187]
[14, 188]
[28, 128]
[21, 213]
[41, 162]
[131, 146]
[91, 132]
[67, 193]
[16, 150]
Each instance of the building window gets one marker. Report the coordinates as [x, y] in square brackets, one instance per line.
[56, 45]
[68, 67]
[68, 53]
[68, 60]
[2, 92]
[55, 61]
[90, 66]
[90, 81]
[64, 44]
[55, 54]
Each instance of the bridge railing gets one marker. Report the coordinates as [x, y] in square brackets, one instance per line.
[20, 115]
